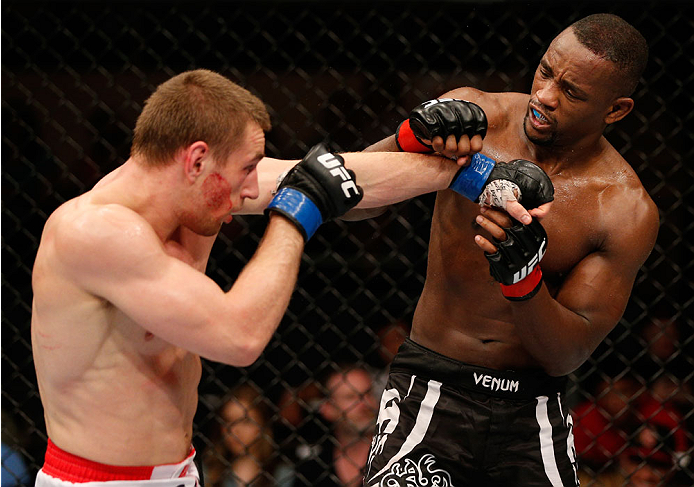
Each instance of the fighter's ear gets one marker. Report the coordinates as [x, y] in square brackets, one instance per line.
[195, 156]
[619, 109]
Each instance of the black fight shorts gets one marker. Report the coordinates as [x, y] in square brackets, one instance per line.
[445, 423]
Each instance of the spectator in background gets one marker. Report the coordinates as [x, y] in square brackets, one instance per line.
[656, 453]
[15, 471]
[244, 452]
[601, 424]
[335, 446]
[663, 363]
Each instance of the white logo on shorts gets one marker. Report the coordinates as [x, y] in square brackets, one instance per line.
[407, 473]
[388, 417]
[496, 384]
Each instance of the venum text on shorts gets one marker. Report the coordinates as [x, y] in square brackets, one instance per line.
[496, 384]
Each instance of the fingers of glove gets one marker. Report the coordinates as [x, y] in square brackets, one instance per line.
[529, 236]
[463, 146]
[438, 144]
[496, 231]
[497, 215]
[464, 123]
[450, 120]
[481, 120]
[485, 244]
[536, 183]
[446, 116]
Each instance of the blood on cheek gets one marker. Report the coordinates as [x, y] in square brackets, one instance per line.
[217, 192]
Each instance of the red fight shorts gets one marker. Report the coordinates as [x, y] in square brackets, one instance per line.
[63, 469]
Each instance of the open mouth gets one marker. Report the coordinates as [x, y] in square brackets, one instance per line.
[538, 119]
[539, 116]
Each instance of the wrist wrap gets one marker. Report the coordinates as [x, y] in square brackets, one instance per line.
[299, 208]
[470, 180]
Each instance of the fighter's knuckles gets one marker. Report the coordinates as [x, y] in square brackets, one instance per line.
[446, 117]
[534, 185]
[438, 144]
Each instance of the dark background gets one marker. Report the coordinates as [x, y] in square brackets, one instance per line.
[75, 75]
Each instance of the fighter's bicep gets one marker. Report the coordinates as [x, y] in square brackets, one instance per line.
[171, 301]
[119, 258]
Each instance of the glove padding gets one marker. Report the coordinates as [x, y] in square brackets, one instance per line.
[317, 189]
[440, 117]
[534, 184]
[516, 262]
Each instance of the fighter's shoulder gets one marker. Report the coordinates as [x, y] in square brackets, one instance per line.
[497, 106]
[83, 232]
[629, 209]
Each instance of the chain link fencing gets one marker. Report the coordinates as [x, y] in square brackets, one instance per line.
[74, 78]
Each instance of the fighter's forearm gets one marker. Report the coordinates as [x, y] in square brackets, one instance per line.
[391, 177]
[264, 287]
[386, 177]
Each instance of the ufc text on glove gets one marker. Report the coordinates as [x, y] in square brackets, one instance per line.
[516, 263]
[317, 189]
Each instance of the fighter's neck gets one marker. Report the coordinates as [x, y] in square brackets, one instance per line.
[147, 191]
[556, 158]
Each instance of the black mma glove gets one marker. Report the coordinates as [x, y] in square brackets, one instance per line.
[516, 262]
[446, 116]
[533, 185]
[317, 189]
[485, 179]
[442, 117]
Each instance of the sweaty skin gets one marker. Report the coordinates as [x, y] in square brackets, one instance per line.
[601, 228]
[122, 311]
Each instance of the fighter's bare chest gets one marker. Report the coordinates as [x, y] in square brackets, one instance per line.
[573, 228]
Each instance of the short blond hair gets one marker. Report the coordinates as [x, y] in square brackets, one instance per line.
[195, 105]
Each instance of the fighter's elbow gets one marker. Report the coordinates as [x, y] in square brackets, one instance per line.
[238, 355]
[247, 351]
[247, 358]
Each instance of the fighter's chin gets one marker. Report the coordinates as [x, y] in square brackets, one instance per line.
[542, 139]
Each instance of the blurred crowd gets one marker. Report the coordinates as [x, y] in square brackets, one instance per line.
[632, 429]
